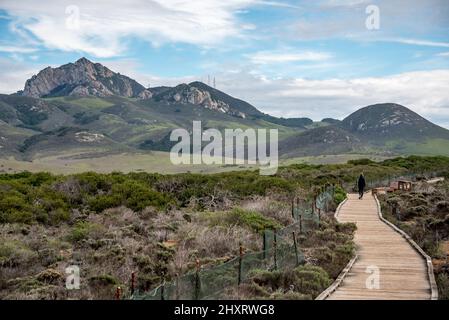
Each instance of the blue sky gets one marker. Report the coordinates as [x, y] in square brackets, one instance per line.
[288, 58]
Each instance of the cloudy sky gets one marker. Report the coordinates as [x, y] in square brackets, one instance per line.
[323, 58]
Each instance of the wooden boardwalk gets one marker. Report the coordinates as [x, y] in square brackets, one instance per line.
[402, 271]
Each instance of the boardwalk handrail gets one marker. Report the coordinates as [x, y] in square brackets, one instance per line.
[430, 274]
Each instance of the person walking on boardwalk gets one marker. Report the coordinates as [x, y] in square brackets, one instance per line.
[361, 184]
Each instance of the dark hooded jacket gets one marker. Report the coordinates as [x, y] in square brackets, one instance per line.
[361, 182]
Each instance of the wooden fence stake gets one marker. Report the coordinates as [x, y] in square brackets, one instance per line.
[264, 244]
[319, 215]
[118, 293]
[296, 248]
[293, 208]
[177, 286]
[163, 290]
[275, 255]
[197, 280]
[240, 264]
[133, 282]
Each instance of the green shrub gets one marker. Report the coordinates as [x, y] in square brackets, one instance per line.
[331, 235]
[339, 195]
[132, 194]
[289, 295]
[57, 216]
[146, 281]
[271, 279]
[103, 202]
[13, 253]
[358, 162]
[85, 230]
[50, 276]
[311, 279]
[14, 208]
[333, 260]
[300, 282]
[251, 219]
[103, 280]
[347, 228]
[443, 286]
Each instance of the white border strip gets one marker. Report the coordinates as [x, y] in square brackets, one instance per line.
[431, 276]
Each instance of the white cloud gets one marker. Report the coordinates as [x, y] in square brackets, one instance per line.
[102, 28]
[327, 19]
[443, 54]
[14, 74]
[267, 57]
[15, 49]
[418, 42]
[277, 4]
[132, 68]
[344, 3]
[425, 92]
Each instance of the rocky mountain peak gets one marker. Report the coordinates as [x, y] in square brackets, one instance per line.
[197, 93]
[86, 78]
[82, 78]
[84, 61]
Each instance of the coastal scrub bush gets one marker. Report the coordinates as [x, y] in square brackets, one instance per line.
[339, 195]
[238, 216]
[305, 280]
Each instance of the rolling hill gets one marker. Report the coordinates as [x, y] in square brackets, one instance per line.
[389, 121]
[86, 108]
[111, 115]
[382, 128]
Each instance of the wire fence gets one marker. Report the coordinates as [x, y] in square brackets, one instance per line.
[280, 252]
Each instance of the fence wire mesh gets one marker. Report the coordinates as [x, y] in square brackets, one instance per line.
[280, 252]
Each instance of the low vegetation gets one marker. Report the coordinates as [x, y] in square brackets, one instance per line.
[157, 226]
[327, 250]
[424, 215]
